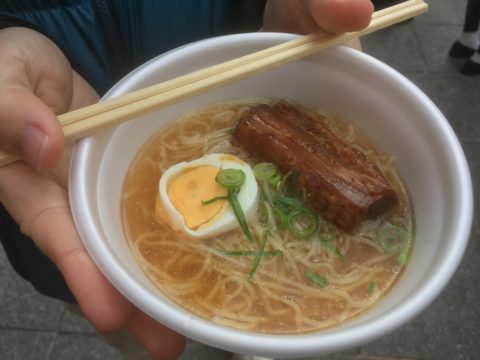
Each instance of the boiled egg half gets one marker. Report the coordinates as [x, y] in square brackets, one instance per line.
[184, 186]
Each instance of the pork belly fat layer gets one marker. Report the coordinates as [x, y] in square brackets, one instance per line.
[343, 185]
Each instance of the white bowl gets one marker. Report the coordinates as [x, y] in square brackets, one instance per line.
[385, 105]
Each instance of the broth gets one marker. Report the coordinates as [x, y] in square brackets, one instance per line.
[350, 271]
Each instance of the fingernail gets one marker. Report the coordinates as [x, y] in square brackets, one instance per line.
[34, 144]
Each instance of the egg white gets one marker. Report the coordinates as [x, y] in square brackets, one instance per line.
[247, 197]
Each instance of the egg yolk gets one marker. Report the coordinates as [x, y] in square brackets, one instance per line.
[187, 191]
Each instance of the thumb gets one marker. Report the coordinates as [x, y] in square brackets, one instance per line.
[338, 16]
[29, 128]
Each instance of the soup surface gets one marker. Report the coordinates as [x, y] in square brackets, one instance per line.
[294, 285]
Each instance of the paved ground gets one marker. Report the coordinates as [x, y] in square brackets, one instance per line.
[35, 327]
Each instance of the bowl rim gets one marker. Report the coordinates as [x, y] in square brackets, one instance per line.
[293, 345]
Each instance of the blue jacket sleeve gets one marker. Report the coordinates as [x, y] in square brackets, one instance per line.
[103, 39]
[73, 26]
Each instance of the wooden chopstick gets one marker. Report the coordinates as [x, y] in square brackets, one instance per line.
[91, 119]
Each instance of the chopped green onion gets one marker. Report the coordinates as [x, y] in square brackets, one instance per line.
[331, 247]
[281, 185]
[302, 223]
[393, 238]
[237, 210]
[207, 202]
[232, 179]
[259, 255]
[281, 216]
[371, 287]
[251, 252]
[402, 258]
[270, 218]
[289, 202]
[264, 171]
[281, 208]
[267, 192]
[262, 212]
[274, 181]
[317, 279]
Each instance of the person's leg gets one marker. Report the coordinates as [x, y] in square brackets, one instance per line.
[472, 16]
[472, 65]
[469, 41]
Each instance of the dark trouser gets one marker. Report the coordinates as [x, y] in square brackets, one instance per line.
[472, 16]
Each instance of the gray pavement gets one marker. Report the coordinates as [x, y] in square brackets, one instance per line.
[35, 327]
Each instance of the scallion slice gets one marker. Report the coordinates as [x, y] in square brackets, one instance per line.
[402, 258]
[289, 202]
[280, 186]
[232, 179]
[275, 180]
[329, 245]
[317, 279]
[267, 192]
[264, 171]
[237, 210]
[260, 252]
[302, 223]
[393, 238]
[251, 252]
[207, 202]
[270, 217]
[282, 217]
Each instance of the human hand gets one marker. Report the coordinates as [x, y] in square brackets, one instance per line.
[36, 84]
[306, 16]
